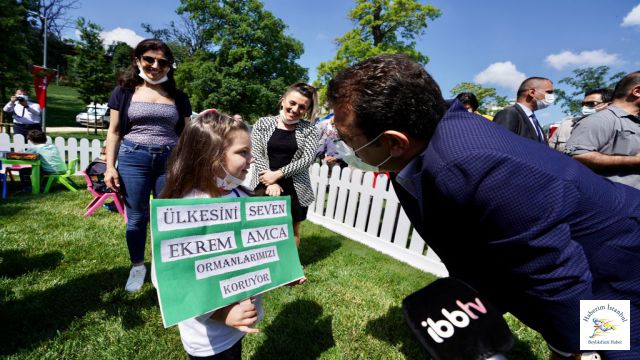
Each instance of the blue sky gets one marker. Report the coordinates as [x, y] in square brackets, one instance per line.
[496, 42]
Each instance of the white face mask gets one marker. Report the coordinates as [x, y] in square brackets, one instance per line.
[284, 119]
[588, 110]
[229, 182]
[349, 156]
[548, 100]
[147, 79]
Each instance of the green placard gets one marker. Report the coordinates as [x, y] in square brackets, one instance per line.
[212, 252]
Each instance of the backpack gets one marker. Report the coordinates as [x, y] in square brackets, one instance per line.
[96, 170]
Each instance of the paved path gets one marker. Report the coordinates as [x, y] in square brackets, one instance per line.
[67, 129]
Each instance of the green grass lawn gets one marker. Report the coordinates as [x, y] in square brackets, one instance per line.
[63, 104]
[62, 296]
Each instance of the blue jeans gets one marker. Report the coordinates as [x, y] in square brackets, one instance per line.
[142, 170]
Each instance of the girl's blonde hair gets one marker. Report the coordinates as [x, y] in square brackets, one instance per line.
[310, 93]
[200, 154]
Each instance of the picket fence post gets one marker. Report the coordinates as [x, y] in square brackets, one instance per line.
[347, 203]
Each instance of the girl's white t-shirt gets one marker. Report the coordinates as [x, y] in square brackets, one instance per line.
[202, 336]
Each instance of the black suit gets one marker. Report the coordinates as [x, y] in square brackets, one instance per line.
[516, 121]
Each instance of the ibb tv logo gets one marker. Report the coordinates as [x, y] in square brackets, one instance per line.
[444, 329]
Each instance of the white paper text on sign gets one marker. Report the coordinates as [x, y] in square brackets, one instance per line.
[245, 282]
[190, 216]
[190, 246]
[238, 261]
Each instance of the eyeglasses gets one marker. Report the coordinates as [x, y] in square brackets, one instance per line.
[150, 60]
[591, 103]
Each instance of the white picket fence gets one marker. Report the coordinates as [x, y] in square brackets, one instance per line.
[346, 203]
[84, 149]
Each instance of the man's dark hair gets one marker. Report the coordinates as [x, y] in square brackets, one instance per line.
[606, 93]
[469, 98]
[36, 137]
[389, 92]
[624, 86]
[530, 83]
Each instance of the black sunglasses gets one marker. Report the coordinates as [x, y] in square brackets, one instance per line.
[591, 103]
[163, 63]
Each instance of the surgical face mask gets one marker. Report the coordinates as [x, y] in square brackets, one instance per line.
[288, 122]
[350, 156]
[588, 110]
[229, 182]
[548, 100]
[147, 79]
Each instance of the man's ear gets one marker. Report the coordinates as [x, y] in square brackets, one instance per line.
[398, 142]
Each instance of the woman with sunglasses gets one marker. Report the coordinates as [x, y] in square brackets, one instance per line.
[284, 147]
[148, 114]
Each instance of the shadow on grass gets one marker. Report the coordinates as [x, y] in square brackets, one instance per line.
[392, 329]
[292, 336]
[44, 315]
[14, 263]
[314, 248]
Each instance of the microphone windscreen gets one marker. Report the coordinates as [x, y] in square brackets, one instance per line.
[452, 321]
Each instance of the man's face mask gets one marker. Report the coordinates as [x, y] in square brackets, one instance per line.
[352, 159]
[548, 100]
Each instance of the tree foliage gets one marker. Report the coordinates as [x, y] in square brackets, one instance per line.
[188, 34]
[583, 80]
[15, 57]
[120, 54]
[92, 72]
[56, 13]
[381, 27]
[249, 60]
[488, 98]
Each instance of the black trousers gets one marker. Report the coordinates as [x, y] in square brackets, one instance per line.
[23, 129]
[232, 353]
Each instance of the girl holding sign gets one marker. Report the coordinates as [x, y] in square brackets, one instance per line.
[285, 148]
[212, 159]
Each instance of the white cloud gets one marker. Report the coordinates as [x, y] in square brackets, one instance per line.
[632, 18]
[121, 34]
[503, 74]
[321, 36]
[584, 58]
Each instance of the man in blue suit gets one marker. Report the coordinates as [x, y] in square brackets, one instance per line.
[535, 231]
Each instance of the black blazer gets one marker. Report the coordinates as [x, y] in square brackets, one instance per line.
[516, 121]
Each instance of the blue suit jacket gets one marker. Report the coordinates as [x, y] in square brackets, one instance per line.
[533, 230]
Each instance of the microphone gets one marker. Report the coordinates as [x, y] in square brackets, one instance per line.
[452, 321]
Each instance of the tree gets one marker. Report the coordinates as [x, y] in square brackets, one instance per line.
[120, 54]
[249, 63]
[15, 57]
[56, 13]
[382, 27]
[586, 79]
[488, 98]
[90, 69]
[188, 34]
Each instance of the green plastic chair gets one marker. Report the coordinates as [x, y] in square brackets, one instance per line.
[64, 179]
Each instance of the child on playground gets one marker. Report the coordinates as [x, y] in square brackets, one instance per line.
[50, 160]
[212, 159]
